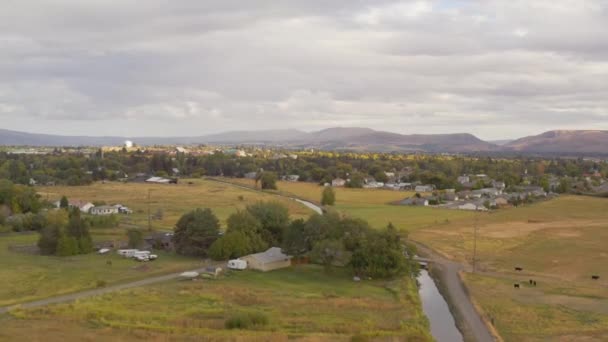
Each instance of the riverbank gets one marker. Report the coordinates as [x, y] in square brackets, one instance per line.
[447, 279]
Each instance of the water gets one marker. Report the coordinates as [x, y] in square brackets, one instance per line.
[443, 326]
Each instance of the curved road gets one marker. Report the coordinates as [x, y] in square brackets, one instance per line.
[449, 270]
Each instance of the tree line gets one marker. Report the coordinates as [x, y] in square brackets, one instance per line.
[329, 239]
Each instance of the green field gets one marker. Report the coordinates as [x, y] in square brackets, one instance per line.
[26, 277]
[304, 302]
[173, 199]
[560, 244]
[373, 205]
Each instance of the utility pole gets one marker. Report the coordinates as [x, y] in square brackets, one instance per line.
[149, 217]
[475, 243]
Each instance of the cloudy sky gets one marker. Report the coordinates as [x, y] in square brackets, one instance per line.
[498, 69]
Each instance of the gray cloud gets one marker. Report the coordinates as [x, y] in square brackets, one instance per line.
[494, 68]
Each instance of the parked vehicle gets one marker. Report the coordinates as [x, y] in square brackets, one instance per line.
[237, 264]
[127, 253]
[103, 251]
[152, 257]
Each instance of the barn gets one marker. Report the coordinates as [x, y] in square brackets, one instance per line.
[272, 259]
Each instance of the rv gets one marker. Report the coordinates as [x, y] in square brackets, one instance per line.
[237, 264]
[127, 253]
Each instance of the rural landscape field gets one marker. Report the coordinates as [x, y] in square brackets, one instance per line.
[356, 171]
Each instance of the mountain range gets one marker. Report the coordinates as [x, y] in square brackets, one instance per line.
[348, 138]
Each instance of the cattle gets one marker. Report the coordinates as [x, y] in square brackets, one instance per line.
[516, 286]
[595, 277]
[534, 282]
[519, 269]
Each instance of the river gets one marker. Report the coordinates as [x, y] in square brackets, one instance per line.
[443, 326]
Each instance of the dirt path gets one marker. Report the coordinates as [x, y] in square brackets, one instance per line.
[458, 295]
[95, 292]
[449, 269]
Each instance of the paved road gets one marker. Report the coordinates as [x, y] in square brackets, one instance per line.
[449, 269]
[95, 292]
[457, 294]
[306, 203]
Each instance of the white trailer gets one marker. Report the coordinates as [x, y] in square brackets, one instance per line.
[237, 264]
[127, 253]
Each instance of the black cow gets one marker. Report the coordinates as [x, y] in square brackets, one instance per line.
[595, 277]
[519, 269]
[516, 286]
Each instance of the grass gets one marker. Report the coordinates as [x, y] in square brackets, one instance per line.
[26, 277]
[174, 200]
[304, 302]
[559, 243]
[372, 205]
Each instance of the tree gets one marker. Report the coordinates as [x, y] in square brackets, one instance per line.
[232, 245]
[67, 245]
[328, 197]
[56, 221]
[294, 241]
[330, 252]
[268, 180]
[195, 232]
[64, 203]
[356, 181]
[274, 218]
[78, 229]
[136, 238]
[247, 224]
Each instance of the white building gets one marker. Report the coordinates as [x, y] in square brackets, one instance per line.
[104, 210]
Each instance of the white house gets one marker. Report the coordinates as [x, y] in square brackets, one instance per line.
[338, 182]
[424, 188]
[269, 260]
[472, 206]
[84, 207]
[104, 210]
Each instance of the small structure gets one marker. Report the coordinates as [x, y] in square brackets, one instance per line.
[212, 271]
[84, 206]
[338, 182]
[272, 259]
[251, 175]
[159, 180]
[237, 264]
[415, 201]
[424, 188]
[104, 210]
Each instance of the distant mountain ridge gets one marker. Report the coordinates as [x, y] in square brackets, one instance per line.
[346, 138]
[563, 141]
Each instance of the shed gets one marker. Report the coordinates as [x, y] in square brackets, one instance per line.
[272, 259]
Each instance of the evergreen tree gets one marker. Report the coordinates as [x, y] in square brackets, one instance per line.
[328, 197]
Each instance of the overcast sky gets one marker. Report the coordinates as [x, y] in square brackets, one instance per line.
[497, 69]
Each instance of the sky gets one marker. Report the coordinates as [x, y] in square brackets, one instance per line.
[497, 69]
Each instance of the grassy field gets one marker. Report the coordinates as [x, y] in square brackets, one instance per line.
[560, 244]
[303, 303]
[373, 205]
[174, 200]
[26, 277]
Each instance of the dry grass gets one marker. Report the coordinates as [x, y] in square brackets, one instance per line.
[303, 303]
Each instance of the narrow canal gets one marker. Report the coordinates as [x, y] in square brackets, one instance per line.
[443, 326]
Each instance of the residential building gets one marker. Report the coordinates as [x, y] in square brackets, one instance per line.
[104, 210]
[338, 182]
[424, 188]
[269, 260]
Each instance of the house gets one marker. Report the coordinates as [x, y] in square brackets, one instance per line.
[272, 259]
[464, 179]
[84, 207]
[424, 188]
[251, 175]
[104, 210]
[180, 149]
[499, 185]
[159, 180]
[449, 196]
[338, 182]
[472, 206]
[160, 240]
[415, 201]
[501, 201]
[292, 178]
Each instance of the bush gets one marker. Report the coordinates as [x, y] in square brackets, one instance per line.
[101, 283]
[246, 320]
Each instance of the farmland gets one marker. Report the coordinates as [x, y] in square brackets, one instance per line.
[373, 205]
[304, 302]
[559, 244]
[173, 200]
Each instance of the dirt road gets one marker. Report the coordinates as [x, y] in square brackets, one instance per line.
[95, 292]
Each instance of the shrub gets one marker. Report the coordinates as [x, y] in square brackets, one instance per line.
[101, 283]
[246, 320]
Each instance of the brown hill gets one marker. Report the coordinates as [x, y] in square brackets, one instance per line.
[579, 142]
